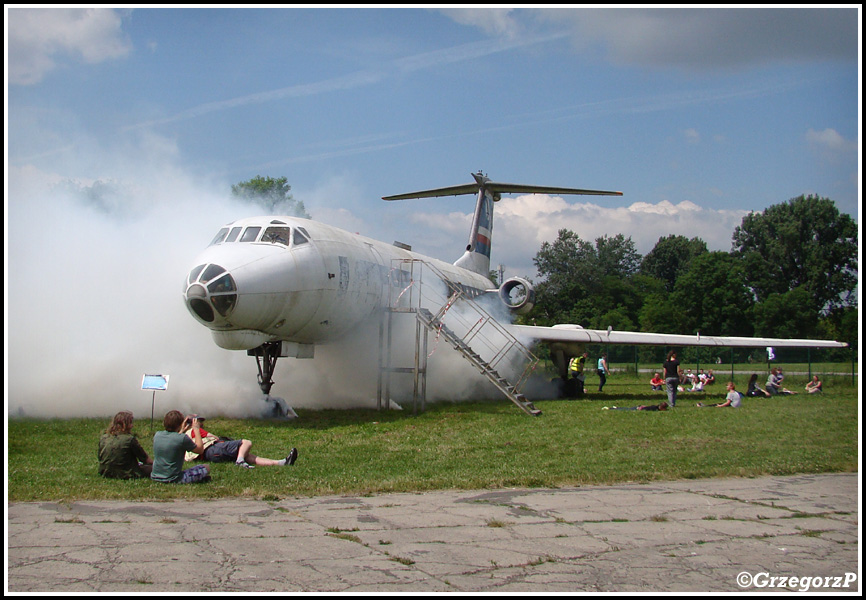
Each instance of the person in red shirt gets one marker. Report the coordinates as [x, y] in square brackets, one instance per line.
[218, 449]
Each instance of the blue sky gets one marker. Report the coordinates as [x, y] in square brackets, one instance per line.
[697, 115]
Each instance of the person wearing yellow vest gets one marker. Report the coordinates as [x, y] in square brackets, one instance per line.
[576, 370]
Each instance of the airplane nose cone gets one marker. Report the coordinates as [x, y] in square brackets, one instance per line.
[211, 293]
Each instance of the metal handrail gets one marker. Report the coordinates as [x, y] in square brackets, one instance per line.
[481, 329]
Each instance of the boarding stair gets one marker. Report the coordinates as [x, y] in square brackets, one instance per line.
[469, 324]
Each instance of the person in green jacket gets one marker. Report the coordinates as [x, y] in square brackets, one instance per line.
[120, 454]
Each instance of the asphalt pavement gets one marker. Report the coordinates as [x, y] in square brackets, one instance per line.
[715, 535]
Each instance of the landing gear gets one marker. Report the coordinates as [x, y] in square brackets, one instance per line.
[266, 359]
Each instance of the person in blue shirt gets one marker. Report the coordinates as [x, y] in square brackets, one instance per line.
[602, 370]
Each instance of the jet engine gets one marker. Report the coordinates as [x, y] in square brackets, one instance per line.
[518, 295]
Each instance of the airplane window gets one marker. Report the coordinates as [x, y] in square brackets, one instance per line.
[234, 234]
[220, 236]
[223, 284]
[202, 309]
[250, 234]
[193, 275]
[224, 304]
[211, 272]
[277, 235]
[298, 237]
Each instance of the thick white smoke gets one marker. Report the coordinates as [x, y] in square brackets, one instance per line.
[94, 296]
[94, 301]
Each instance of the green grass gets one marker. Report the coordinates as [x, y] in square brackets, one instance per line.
[487, 444]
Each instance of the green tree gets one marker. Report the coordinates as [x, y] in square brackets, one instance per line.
[274, 195]
[670, 258]
[616, 256]
[712, 297]
[566, 269]
[787, 315]
[805, 242]
[841, 324]
[582, 282]
[657, 314]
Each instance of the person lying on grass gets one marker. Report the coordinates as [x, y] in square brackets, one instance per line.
[221, 449]
[662, 406]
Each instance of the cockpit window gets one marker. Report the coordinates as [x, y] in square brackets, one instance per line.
[193, 275]
[211, 272]
[234, 234]
[223, 284]
[250, 234]
[277, 235]
[220, 236]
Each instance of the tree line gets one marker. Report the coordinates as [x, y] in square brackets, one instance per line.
[791, 273]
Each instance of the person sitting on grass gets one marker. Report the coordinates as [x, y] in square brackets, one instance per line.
[814, 386]
[168, 452]
[657, 383]
[697, 385]
[754, 391]
[774, 383]
[662, 406]
[219, 449]
[120, 453]
[733, 399]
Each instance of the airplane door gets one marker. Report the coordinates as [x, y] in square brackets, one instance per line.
[377, 287]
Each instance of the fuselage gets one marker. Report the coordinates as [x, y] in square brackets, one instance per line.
[267, 279]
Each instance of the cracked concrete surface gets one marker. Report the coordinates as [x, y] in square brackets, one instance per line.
[697, 535]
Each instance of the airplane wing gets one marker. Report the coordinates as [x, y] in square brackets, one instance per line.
[454, 190]
[577, 334]
[502, 188]
[517, 188]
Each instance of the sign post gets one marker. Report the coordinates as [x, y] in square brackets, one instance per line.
[154, 382]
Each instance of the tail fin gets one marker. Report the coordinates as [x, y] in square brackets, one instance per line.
[477, 255]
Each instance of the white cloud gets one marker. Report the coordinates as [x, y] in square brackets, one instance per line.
[699, 38]
[38, 36]
[498, 21]
[829, 141]
[692, 136]
[523, 223]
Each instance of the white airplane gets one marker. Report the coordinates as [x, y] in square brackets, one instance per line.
[277, 286]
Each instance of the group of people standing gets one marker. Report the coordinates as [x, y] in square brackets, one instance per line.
[121, 455]
[577, 371]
